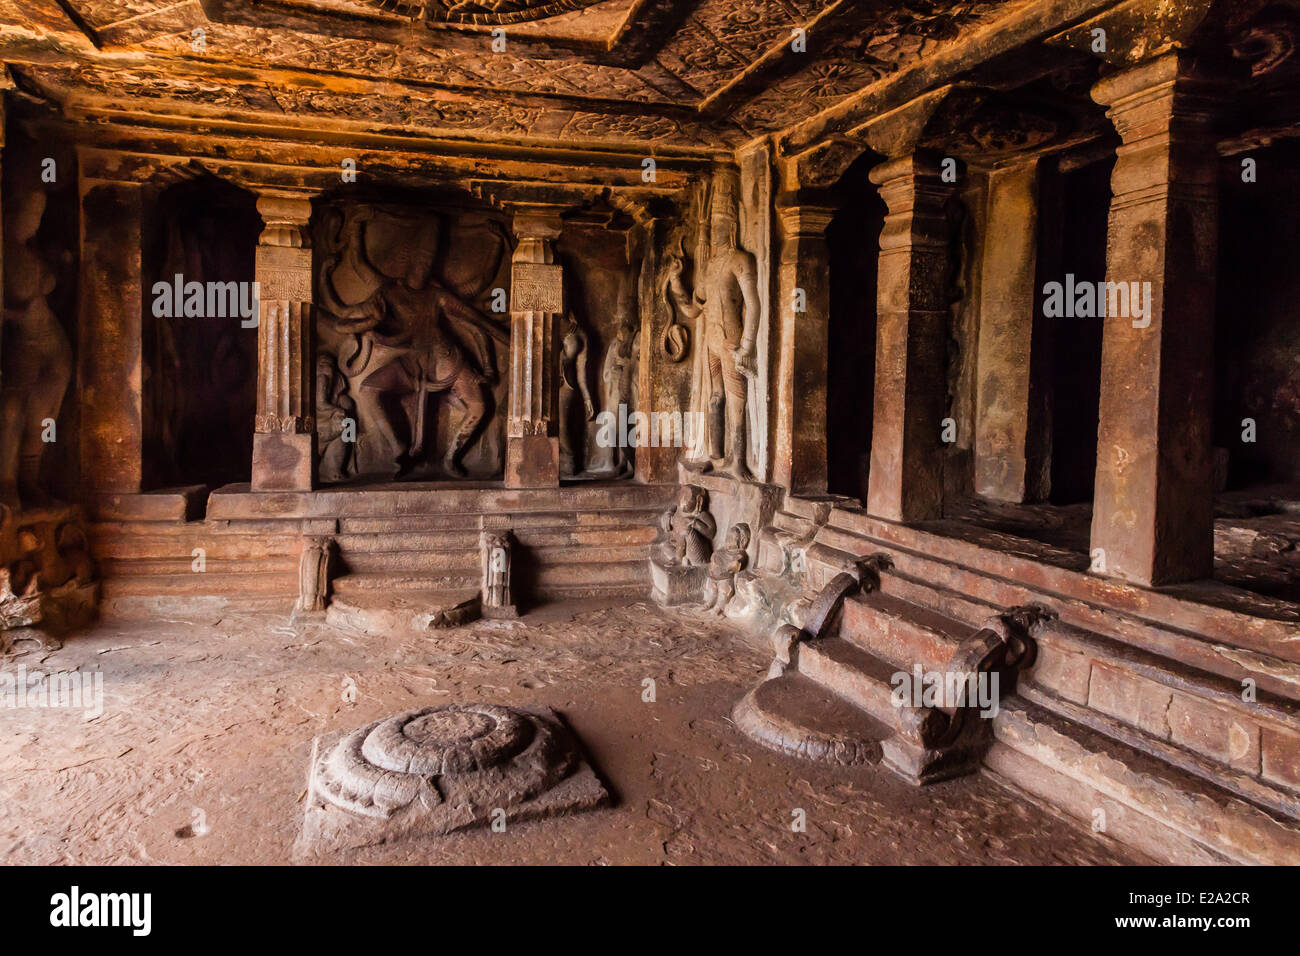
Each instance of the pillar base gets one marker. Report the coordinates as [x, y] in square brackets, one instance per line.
[533, 461]
[283, 461]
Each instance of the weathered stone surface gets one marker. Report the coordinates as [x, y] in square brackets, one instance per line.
[379, 610]
[905, 482]
[430, 772]
[1153, 519]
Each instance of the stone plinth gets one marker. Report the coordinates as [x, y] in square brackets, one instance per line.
[431, 772]
[676, 584]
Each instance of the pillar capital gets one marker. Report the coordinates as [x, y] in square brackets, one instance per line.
[804, 214]
[286, 219]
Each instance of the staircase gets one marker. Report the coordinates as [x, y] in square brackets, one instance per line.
[1170, 758]
[417, 546]
[889, 660]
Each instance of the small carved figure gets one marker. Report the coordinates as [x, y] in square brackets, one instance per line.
[334, 410]
[496, 598]
[687, 530]
[37, 359]
[616, 375]
[726, 563]
[573, 382]
[725, 300]
[314, 575]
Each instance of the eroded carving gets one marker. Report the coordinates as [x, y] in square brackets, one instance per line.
[432, 771]
[728, 561]
[679, 558]
[37, 359]
[496, 598]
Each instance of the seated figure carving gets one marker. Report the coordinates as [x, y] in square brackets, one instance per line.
[688, 530]
[726, 563]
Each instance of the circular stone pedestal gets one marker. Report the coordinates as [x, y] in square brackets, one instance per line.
[440, 769]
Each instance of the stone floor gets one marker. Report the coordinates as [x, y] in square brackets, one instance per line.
[215, 713]
[1256, 544]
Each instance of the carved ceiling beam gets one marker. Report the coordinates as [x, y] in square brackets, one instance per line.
[432, 158]
[632, 45]
[181, 18]
[53, 25]
[569, 176]
[149, 67]
[1021, 27]
[1137, 30]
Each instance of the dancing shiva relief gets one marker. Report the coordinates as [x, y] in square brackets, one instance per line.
[408, 343]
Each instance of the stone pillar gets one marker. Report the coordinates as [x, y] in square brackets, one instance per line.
[536, 305]
[110, 384]
[284, 440]
[802, 341]
[906, 479]
[661, 383]
[1153, 516]
[1012, 443]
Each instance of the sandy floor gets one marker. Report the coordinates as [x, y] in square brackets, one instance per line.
[215, 716]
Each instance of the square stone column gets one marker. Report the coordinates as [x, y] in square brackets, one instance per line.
[1153, 515]
[110, 367]
[536, 305]
[802, 341]
[284, 440]
[906, 479]
[1012, 444]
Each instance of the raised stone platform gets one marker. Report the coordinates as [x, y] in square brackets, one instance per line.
[588, 539]
[1179, 718]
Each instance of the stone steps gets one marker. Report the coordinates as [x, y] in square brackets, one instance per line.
[588, 540]
[853, 674]
[1136, 798]
[1213, 638]
[210, 583]
[383, 584]
[184, 566]
[550, 581]
[1130, 693]
[796, 715]
[380, 612]
[1199, 720]
[900, 632]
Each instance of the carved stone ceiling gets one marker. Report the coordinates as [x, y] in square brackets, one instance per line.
[696, 75]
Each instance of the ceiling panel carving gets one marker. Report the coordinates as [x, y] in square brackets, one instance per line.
[694, 74]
